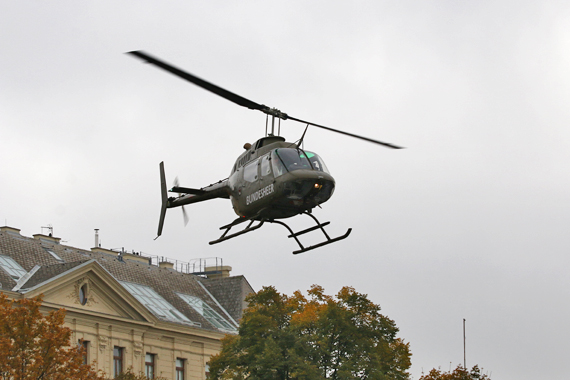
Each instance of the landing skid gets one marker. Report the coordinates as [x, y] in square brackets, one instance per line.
[228, 227]
[293, 235]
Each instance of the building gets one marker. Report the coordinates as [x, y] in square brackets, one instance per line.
[130, 310]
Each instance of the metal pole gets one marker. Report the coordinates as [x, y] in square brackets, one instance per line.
[464, 356]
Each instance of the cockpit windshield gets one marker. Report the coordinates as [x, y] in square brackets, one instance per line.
[290, 159]
[317, 162]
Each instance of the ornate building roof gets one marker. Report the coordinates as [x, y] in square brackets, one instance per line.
[214, 304]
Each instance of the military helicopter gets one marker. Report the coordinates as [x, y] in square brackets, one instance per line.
[272, 180]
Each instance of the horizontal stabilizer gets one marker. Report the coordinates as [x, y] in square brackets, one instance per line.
[186, 190]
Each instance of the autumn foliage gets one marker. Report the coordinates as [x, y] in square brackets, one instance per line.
[37, 346]
[314, 337]
[129, 374]
[459, 373]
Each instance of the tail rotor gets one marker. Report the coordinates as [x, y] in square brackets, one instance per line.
[184, 215]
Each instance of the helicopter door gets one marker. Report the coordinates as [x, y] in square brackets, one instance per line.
[266, 176]
[266, 180]
[251, 181]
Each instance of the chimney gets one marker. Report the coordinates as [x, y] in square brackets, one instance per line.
[137, 258]
[10, 230]
[218, 271]
[105, 251]
[166, 264]
[47, 238]
[97, 238]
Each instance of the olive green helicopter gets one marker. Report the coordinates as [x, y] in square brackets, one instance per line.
[272, 180]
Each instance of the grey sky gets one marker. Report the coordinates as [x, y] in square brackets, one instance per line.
[470, 221]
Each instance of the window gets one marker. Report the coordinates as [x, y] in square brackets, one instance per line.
[85, 345]
[83, 294]
[317, 162]
[250, 172]
[295, 159]
[278, 167]
[53, 254]
[155, 303]
[265, 168]
[149, 365]
[12, 267]
[207, 312]
[117, 360]
[179, 369]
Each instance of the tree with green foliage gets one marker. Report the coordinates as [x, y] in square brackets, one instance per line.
[459, 373]
[314, 337]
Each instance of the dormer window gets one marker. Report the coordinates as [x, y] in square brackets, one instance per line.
[12, 267]
[155, 303]
[53, 254]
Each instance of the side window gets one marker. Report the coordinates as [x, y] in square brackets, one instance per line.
[265, 167]
[278, 168]
[250, 172]
[180, 369]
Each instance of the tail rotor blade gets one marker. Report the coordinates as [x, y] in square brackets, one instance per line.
[184, 216]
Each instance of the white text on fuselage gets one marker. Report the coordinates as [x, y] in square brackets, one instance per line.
[259, 194]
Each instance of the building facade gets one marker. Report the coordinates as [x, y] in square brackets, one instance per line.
[127, 311]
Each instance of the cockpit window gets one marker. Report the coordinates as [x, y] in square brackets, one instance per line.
[265, 166]
[278, 167]
[290, 159]
[317, 162]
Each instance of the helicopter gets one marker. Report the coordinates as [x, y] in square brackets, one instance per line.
[271, 180]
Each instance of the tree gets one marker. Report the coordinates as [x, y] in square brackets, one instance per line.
[36, 346]
[314, 337]
[459, 373]
[130, 375]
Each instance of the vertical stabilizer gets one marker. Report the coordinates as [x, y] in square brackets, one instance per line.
[164, 196]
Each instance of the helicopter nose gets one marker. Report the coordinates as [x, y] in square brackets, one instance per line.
[322, 191]
[311, 191]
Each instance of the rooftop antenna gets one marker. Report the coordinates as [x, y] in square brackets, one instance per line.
[97, 238]
[464, 356]
[49, 228]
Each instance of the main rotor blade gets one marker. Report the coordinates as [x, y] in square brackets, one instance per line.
[347, 133]
[240, 100]
[200, 82]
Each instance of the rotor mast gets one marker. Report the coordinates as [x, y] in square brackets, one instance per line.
[274, 113]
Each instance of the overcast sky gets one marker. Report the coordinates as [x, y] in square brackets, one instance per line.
[470, 221]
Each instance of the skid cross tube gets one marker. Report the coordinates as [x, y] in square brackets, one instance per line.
[228, 227]
[318, 226]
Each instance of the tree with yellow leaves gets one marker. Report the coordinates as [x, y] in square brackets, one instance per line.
[37, 346]
[314, 337]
